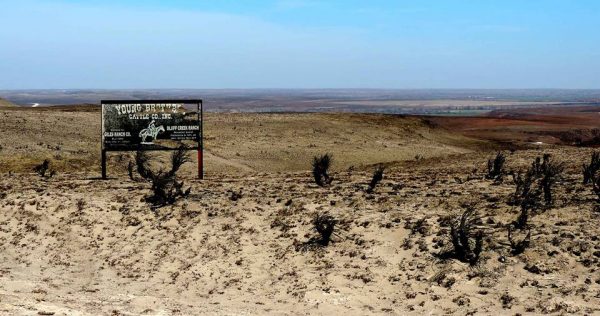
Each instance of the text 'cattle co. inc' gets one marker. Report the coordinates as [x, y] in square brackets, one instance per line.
[148, 111]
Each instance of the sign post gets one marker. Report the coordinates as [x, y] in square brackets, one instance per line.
[152, 125]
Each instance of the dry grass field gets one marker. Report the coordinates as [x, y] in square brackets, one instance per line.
[243, 241]
[70, 136]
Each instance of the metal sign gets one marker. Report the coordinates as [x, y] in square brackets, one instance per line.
[151, 125]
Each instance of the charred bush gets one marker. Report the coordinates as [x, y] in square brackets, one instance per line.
[166, 188]
[377, 177]
[467, 241]
[320, 166]
[534, 189]
[542, 175]
[528, 196]
[551, 173]
[518, 247]
[596, 188]
[43, 169]
[495, 167]
[324, 225]
[590, 170]
[235, 195]
[130, 170]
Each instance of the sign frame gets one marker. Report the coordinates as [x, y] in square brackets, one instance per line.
[200, 141]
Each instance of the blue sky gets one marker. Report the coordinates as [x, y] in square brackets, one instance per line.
[300, 44]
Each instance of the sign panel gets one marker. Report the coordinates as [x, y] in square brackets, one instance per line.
[150, 125]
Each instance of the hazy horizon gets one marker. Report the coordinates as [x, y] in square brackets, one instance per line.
[299, 89]
[299, 44]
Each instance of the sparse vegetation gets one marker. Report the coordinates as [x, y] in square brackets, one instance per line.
[377, 177]
[44, 169]
[467, 241]
[166, 188]
[496, 167]
[320, 166]
[392, 240]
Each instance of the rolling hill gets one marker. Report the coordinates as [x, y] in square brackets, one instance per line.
[6, 103]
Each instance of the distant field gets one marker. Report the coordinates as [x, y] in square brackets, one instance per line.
[450, 103]
[427, 102]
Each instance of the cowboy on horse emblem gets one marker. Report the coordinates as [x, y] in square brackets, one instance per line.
[150, 131]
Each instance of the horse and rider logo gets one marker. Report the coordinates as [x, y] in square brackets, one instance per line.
[150, 131]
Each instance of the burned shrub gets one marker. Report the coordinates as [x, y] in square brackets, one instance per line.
[551, 173]
[596, 187]
[496, 167]
[324, 225]
[165, 187]
[235, 195]
[320, 165]
[542, 175]
[466, 240]
[43, 169]
[517, 247]
[536, 183]
[130, 170]
[377, 177]
[589, 171]
[529, 199]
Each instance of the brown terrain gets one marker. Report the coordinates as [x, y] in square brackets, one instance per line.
[549, 125]
[239, 244]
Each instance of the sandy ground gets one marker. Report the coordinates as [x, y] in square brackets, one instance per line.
[73, 245]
